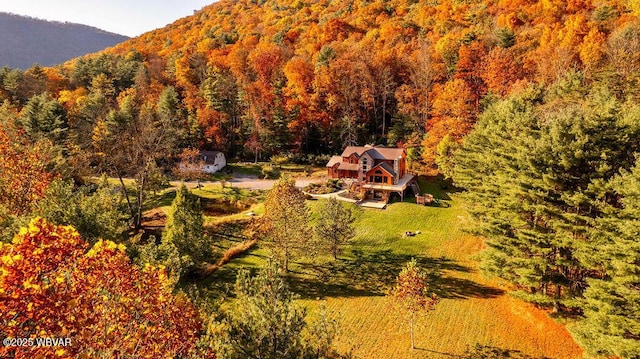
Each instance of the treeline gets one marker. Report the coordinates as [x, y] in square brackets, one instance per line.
[553, 182]
[258, 78]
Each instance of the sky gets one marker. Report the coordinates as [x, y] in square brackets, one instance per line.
[124, 17]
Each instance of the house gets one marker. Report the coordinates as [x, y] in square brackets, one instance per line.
[376, 170]
[212, 161]
[205, 162]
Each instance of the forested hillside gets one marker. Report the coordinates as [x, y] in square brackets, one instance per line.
[257, 78]
[27, 41]
[530, 107]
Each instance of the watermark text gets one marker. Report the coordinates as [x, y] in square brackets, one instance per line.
[36, 342]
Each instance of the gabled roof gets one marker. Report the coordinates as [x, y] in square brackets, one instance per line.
[385, 166]
[378, 152]
[348, 166]
[209, 157]
[352, 153]
[335, 159]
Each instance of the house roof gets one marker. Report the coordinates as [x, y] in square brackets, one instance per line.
[348, 166]
[378, 152]
[385, 166]
[209, 157]
[334, 160]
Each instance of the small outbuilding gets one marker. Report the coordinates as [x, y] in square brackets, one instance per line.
[195, 163]
[213, 161]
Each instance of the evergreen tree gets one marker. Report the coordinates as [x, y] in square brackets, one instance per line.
[533, 168]
[43, 117]
[335, 226]
[264, 322]
[445, 155]
[185, 231]
[166, 254]
[170, 113]
[285, 222]
[611, 303]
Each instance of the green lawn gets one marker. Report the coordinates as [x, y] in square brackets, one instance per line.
[473, 309]
[217, 191]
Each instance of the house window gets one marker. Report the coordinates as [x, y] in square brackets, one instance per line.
[386, 179]
[377, 179]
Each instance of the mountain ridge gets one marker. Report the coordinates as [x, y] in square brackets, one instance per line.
[27, 41]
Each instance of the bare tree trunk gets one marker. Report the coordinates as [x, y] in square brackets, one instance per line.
[140, 201]
[124, 191]
[384, 111]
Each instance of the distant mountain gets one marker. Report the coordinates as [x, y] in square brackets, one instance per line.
[25, 41]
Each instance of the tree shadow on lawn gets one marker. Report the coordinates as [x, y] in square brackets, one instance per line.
[437, 186]
[372, 274]
[159, 200]
[223, 279]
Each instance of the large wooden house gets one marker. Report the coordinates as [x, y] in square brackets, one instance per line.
[376, 170]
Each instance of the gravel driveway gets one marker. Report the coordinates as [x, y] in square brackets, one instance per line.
[251, 182]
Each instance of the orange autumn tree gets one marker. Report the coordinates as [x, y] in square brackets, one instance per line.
[300, 76]
[453, 113]
[23, 174]
[50, 286]
[501, 71]
[411, 295]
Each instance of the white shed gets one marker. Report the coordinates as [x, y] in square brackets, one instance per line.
[214, 161]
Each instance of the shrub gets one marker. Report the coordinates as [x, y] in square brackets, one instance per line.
[279, 160]
[270, 172]
[330, 186]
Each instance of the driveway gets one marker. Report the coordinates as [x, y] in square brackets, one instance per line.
[251, 182]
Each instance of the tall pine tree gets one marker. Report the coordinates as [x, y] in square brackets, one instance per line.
[611, 303]
[286, 221]
[534, 168]
[184, 232]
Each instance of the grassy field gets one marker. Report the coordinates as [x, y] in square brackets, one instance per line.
[473, 309]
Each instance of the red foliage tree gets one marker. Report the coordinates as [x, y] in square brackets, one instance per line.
[51, 287]
[469, 69]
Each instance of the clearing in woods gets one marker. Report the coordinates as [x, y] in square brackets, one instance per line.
[474, 309]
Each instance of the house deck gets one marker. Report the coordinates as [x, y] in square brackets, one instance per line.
[402, 184]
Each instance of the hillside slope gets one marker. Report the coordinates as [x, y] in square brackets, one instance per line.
[26, 41]
[259, 78]
[315, 76]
